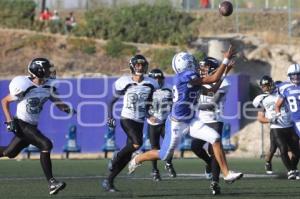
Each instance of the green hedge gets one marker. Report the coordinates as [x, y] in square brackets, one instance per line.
[140, 23]
[16, 13]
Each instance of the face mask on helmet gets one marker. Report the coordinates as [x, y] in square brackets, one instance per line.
[50, 72]
[294, 73]
[267, 84]
[138, 65]
[208, 66]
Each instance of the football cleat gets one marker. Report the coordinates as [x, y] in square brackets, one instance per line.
[268, 168]
[109, 187]
[291, 175]
[171, 170]
[297, 174]
[132, 164]
[155, 175]
[207, 172]
[55, 186]
[233, 176]
[215, 188]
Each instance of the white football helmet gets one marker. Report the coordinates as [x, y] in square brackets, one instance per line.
[183, 61]
[294, 73]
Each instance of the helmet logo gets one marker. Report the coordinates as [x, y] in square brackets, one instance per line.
[40, 63]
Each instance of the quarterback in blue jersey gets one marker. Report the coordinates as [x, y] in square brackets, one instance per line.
[290, 94]
[182, 120]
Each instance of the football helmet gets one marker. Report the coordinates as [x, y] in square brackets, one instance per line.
[266, 84]
[158, 75]
[41, 68]
[184, 61]
[294, 73]
[208, 65]
[138, 59]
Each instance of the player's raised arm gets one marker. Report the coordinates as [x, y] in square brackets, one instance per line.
[229, 54]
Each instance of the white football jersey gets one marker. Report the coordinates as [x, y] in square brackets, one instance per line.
[136, 95]
[267, 101]
[161, 105]
[30, 98]
[213, 115]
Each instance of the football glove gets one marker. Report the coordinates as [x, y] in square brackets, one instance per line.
[70, 111]
[111, 122]
[11, 126]
[274, 119]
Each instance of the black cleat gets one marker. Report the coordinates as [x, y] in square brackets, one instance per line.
[215, 188]
[268, 168]
[155, 175]
[171, 170]
[109, 187]
[55, 186]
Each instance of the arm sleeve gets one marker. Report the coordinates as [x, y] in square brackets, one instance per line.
[110, 106]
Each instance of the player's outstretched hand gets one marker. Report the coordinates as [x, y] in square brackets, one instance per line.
[230, 53]
[111, 122]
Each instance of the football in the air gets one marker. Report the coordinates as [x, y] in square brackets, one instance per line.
[226, 8]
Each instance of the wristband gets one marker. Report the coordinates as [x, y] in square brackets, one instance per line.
[225, 61]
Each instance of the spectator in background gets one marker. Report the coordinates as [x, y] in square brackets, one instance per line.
[45, 15]
[204, 3]
[55, 16]
[70, 22]
[56, 25]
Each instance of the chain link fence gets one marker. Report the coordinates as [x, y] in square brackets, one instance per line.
[249, 15]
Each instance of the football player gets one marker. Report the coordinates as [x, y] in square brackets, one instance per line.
[30, 93]
[273, 146]
[280, 124]
[160, 109]
[137, 91]
[181, 119]
[210, 105]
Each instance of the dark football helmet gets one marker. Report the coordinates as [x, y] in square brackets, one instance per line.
[266, 84]
[158, 75]
[138, 59]
[41, 68]
[208, 65]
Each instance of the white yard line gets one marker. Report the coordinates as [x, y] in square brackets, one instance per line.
[186, 176]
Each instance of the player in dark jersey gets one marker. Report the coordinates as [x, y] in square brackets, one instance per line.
[136, 90]
[160, 109]
[31, 93]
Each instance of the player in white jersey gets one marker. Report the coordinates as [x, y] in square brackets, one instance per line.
[281, 126]
[160, 109]
[137, 91]
[30, 93]
[181, 120]
[210, 107]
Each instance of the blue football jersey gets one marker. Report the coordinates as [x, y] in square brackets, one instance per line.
[291, 94]
[184, 96]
